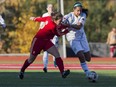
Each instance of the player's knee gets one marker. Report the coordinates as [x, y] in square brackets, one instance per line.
[88, 60]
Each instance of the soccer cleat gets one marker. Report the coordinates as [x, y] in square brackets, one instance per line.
[45, 70]
[65, 73]
[21, 75]
[55, 65]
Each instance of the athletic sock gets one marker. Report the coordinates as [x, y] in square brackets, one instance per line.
[85, 68]
[25, 65]
[60, 64]
[45, 59]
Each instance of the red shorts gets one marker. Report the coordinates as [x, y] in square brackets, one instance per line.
[112, 48]
[38, 45]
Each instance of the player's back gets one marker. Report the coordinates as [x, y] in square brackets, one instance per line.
[43, 23]
[48, 31]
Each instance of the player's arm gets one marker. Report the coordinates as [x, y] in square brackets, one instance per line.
[39, 19]
[66, 21]
[108, 39]
[76, 26]
[62, 30]
[80, 23]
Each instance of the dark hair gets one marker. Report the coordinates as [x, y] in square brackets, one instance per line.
[85, 11]
[78, 4]
[56, 15]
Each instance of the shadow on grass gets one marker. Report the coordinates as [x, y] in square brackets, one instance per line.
[53, 79]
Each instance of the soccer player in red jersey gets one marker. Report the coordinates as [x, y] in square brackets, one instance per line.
[41, 41]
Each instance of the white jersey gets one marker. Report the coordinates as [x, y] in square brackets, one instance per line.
[77, 38]
[74, 33]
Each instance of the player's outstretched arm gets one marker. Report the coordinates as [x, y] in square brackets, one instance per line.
[62, 30]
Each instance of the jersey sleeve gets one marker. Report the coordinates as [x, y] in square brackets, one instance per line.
[41, 19]
[67, 19]
[83, 19]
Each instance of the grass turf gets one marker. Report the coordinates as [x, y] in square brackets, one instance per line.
[53, 79]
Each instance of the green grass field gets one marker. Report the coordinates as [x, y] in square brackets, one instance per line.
[37, 78]
[107, 78]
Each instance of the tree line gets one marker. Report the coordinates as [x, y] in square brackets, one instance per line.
[16, 38]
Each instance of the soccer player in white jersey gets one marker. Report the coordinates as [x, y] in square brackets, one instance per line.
[54, 40]
[77, 37]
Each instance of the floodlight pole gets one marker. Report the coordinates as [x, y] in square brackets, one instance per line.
[61, 4]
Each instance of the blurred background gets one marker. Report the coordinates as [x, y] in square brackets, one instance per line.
[17, 36]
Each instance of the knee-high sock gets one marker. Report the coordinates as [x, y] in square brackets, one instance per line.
[60, 64]
[25, 65]
[45, 59]
[85, 67]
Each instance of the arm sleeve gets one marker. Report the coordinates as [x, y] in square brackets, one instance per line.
[83, 19]
[67, 19]
[40, 19]
[42, 23]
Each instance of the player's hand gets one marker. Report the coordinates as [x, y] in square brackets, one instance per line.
[32, 18]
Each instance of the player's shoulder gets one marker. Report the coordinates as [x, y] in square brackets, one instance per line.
[83, 15]
[69, 15]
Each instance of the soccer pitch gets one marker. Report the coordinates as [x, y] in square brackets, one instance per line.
[107, 78]
[35, 77]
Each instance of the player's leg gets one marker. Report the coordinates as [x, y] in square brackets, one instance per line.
[55, 65]
[45, 61]
[34, 51]
[55, 42]
[54, 51]
[83, 63]
[78, 50]
[114, 51]
[111, 51]
[87, 56]
[25, 65]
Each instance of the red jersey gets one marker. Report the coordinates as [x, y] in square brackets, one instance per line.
[42, 41]
[50, 28]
